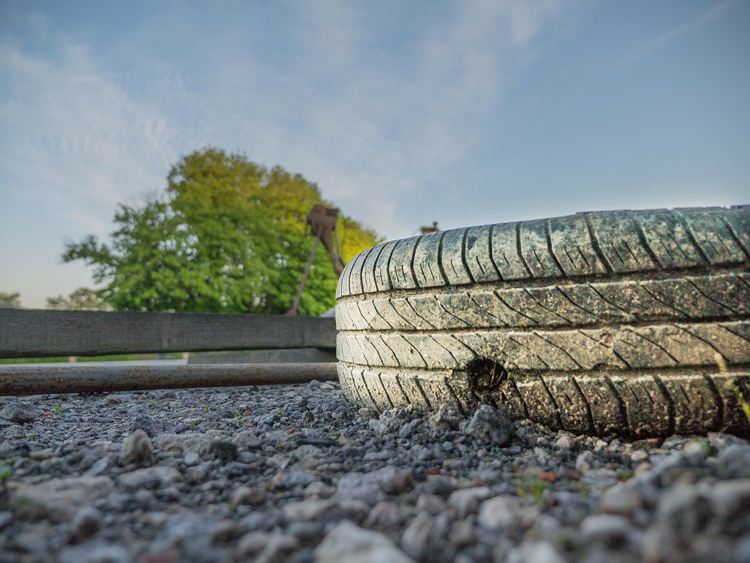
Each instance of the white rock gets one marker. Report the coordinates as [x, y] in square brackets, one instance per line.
[224, 531]
[499, 512]
[150, 477]
[430, 503]
[253, 543]
[466, 501]
[20, 412]
[191, 459]
[309, 509]
[565, 442]
[584, 461]
[102, 553]
[88, 521]
[137, 449]
[319, 489]
[730, 500]
[611, 529]
[489, 426]
[620, 499]
[58, 499]
[536, 552]
[185, 443]
[696, 451]
[248, 495]
[347, 543]
[415, 539]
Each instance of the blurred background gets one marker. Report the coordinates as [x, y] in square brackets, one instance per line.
[164, 155]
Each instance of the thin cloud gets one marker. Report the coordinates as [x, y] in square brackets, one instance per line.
[366, 123]
[699, 21]
[74, 139]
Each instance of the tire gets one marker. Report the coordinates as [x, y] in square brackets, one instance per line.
[627, 323]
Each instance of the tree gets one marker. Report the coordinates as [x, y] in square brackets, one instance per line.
[228, 236]
[9, 300]
[82, 299]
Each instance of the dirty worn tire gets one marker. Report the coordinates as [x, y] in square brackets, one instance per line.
[629, 323]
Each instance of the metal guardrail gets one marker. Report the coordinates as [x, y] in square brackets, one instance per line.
[34, 380]
[25, 333]
[30, 333]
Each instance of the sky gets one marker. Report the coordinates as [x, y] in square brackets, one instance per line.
[464, 112]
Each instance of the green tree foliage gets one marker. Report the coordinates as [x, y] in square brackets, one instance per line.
[229, 236]
[82, 299]
[10, 299]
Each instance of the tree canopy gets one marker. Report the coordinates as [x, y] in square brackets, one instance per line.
[81, 299]
[10, 299]
[228, 235]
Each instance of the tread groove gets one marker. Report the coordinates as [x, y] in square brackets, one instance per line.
[440, 257]
[656, 298]
[706, 342]
[608, 302]
[385, 390]
[644, 241]
[709, 298]
[519, 250]
[569, 300]
[419, 353]
[624, 423]
[485, 311]
[418, 385]
[496, 294]
[490, 254]
[400, 386]
[548, 236]
[736, 237]
[354, 386]
[540, 304]
[671, 409]
[463, 256]
[379, 315]
[691, 237]
[719, 403]
[461, 408]
[367, 388]
[399, 315]
[377, 257]
[417, 314]
[587, 405]
[411, 264]
[737, 334]
[557, 414]
[451, 314]
[563, 350]
[659, 346]
[524, 406]
[595, 244]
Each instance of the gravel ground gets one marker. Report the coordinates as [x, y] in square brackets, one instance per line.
[296, 473]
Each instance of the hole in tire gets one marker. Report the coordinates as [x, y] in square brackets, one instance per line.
[486, 375]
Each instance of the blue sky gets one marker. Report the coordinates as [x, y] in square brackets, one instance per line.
[465, 112]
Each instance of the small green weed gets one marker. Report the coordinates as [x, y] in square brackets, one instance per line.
[732, 385]
[625, 475]
[536, 489]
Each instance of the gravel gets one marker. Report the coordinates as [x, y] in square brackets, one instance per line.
[298, 474]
